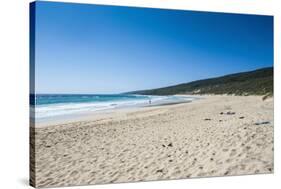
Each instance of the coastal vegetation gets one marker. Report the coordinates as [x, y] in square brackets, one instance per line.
[257, 82]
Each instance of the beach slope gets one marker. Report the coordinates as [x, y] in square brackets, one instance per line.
[213, 136]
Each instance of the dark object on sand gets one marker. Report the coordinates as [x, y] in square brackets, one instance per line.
[221, 113]
[230, 113]
[262, 123]
[170, 145]
[267, 96]
[159, 171]
[242, 117]
[207, 119]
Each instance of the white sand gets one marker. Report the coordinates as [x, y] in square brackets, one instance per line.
[167, 142]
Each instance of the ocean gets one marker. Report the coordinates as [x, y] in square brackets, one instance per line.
[54, 105]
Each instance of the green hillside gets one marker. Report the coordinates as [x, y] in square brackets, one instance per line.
[257, 82]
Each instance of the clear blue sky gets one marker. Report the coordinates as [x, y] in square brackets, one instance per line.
[83, 48]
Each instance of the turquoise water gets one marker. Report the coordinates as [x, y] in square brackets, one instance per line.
[44, 99]
[53, 105]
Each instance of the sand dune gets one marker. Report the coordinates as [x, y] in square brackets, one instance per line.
[214, 136]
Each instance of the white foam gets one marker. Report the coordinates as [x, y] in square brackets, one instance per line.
[52, 110]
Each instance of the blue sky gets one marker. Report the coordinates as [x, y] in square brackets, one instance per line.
[82, 48]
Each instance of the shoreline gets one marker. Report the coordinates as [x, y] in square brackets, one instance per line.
[117, 113]
[104, 114]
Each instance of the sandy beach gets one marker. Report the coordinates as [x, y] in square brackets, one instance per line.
[212, 136]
